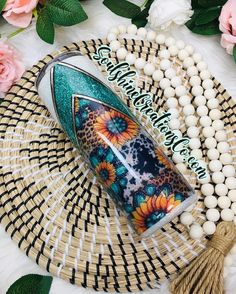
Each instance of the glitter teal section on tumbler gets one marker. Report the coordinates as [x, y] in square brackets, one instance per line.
[69, 81]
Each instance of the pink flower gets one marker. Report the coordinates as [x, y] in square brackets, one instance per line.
[19, 12]
[227, 21]
[11, 68]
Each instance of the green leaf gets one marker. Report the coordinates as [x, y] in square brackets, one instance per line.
[195, 4]
[122, 8]
[31, 284]
[211, 28]
[66, 13]
[211, 3]
[45, 27]
[191, 23]
[140, 20]
[207, 15]
[234, 53]
[2, 4]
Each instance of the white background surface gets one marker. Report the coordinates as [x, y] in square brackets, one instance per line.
[13, 263]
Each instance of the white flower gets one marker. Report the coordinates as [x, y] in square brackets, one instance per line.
[165, 13]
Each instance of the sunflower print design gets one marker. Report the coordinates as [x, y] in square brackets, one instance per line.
[116, 127]
[152, 210]
[163, 159]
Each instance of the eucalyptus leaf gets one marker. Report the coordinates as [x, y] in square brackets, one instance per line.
[122, 8]
[31, 284]
[234, 53]
[2, 4]
[45, 27]
[211, 3]
[66, 13]
[207, 15]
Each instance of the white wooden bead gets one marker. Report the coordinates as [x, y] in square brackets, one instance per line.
[193, 132]
[164, 83]
[114, 30]
[122, 29]
[218, 124]
[215, 114]
[180, 91]
[174, 124]
[176, 81]
[196, 232]
[197, 90]
[205, 121]
[210, 93]
[165, 64]
[188, 62]
[226, 158]
[230, 182]
[192, 71]
[204, 180]
[208, 132]
[164, 54]
[197, 57]
[121, 53]
[177, 158]
[197, 153]
[200, 100]
[114, 45]
[178, 133]
[229, 170]
[210, 201]
[170, 73]
[173, 49]
[151, 36]
[209, 227]
[227, 215]
[111, 37]
[218, 177]
[194, 143]
[232, 195]
[202, 110]
[224, 202]
[215, 165]
[213, 103]
[160, 39]
[170, 41]
[174, 112]
[213, 154]
[205, 74]
[201, 65]
[181, 167]
[186, 218]
[191, 120]
[207, 189]
[208, 84]
[189, 49]
[184, 100]
[169, 92]
[139, 63]
[188, 109]
[180, 44]
[210, 143]
[183, 54]
[132, 29]
[195, 81]
[149, 69]
[172, 102]
[221, 189]
[157, 75]
[142, 32]
[221, 135]
[130, 58]
[233, 207]
[223, 147]
[213, 214]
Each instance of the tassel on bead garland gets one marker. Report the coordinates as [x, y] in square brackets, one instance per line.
[205, 274]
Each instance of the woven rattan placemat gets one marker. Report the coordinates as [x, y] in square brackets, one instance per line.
[53, 208]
